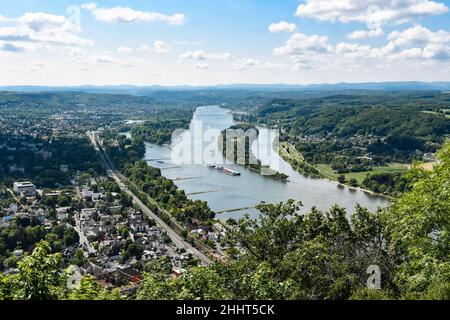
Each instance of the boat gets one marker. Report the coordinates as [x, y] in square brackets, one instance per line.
[232, 172]
[224, 170]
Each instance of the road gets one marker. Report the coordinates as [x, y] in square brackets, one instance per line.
[83, 240]
[178, 241]
[14, 196]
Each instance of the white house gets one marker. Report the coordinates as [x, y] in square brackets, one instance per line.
[25, 188]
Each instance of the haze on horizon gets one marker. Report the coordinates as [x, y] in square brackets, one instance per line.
[201, 42]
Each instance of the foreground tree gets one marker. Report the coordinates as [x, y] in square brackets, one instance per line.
[417, 226]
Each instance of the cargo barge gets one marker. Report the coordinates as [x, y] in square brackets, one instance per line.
[225, 170]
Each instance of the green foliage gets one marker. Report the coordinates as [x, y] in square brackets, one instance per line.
[199, 283]
[43, 167]
[371, 294]
[89, 289]
[418, 229]
[159, 130]
[37, 277]
[387, 183]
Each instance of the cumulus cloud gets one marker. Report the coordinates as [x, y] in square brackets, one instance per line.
[35, 30]
[124, 50]
[195, 55]
[202, 66]
[250, 62]
[362, 34]
[161, 47]
[372, 11]
[283, 26]
[416, 43]
[247, 63]
[300, 43]
[202, 55]
[103, 58]
[128, 15]
[419, 42]
[144, 48]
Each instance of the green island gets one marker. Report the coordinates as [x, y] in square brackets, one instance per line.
[243, 136]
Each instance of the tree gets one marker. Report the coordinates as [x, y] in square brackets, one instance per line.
[341, 178]
[417, 227]
[71, 237]
[199, 283]
[63, 200]
[37, 277]
[89, 289]
[353, 182]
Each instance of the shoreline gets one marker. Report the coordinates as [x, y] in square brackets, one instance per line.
[324, 176]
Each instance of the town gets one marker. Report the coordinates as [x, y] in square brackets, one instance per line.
[102, 232]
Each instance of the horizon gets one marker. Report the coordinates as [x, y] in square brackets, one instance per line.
[233, 84]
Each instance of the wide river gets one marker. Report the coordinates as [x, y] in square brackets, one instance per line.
[225, 193]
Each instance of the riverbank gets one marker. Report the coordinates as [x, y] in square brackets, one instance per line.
[291, 155]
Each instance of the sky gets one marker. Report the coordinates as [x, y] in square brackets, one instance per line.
[210, 42]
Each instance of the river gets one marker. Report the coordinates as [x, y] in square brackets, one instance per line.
[225, 193]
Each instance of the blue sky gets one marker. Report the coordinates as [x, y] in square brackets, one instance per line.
[204, 42]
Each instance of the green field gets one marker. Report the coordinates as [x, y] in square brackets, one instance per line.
[326, 170]
[446, 113]
[360, 176]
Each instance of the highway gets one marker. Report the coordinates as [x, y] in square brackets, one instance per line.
[178, 241]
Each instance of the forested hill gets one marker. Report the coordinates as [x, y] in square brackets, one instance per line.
[423, 116]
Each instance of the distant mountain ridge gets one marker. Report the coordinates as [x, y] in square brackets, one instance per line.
[132, 89]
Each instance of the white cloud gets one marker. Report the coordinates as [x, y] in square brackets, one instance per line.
[202, 55]
[220, 56]
[195, 55]
[202, 66]
[247, 63]
[124, 50]
[103, 58]
[128, 15]
[373, 11]
[161, 47]
[300, 43]
[283, 26]
[362, 34]
[417, 44]
[418, 35]
[250, 62]
[144, 48]
[35, 30]
[77, 52]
